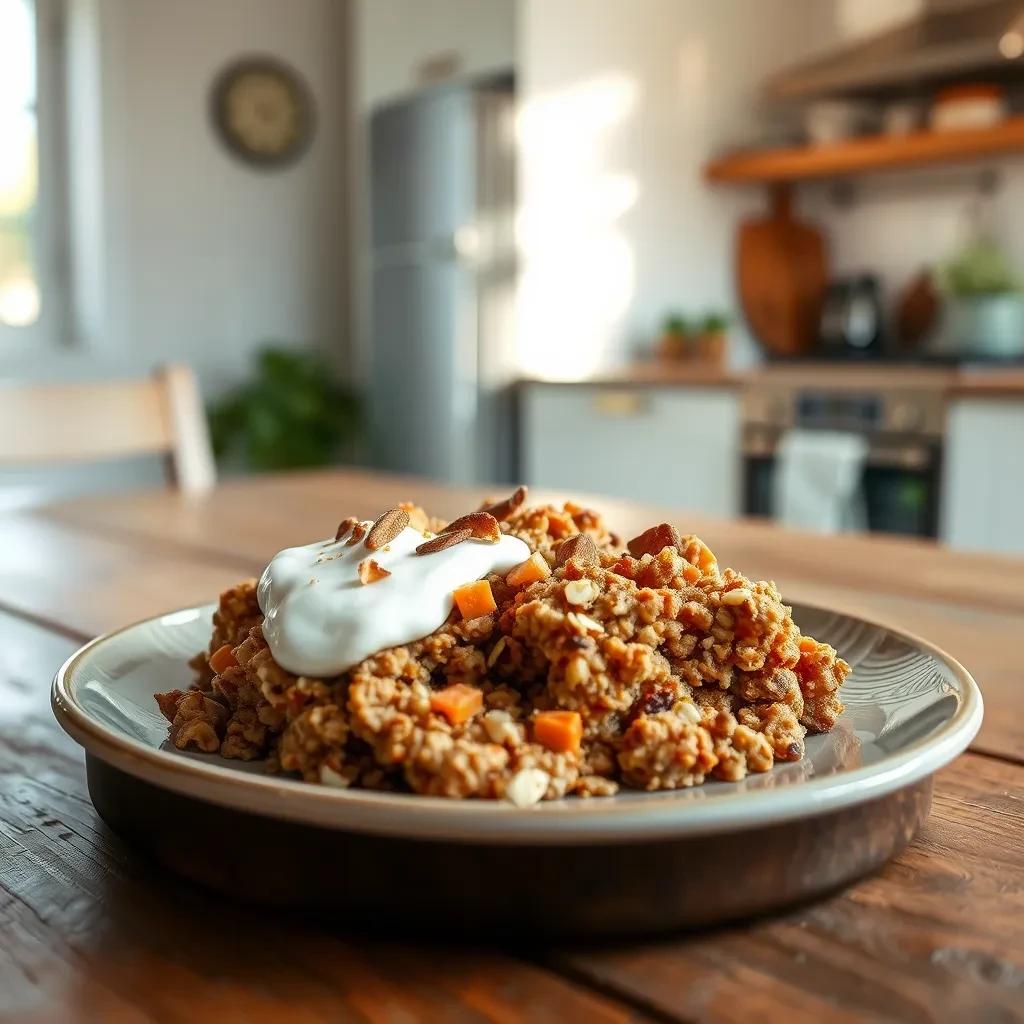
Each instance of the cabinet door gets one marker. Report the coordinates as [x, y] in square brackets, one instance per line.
[671, 446]
[983, 488]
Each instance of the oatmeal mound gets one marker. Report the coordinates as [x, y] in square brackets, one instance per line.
[585, 668]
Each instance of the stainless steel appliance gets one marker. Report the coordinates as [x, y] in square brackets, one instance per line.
[902, 421]
[851, 317]
[946, 40]
[442, 181]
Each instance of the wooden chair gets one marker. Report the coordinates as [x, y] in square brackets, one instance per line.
[158, 415]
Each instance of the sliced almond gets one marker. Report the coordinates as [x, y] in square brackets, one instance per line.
[370, 571]
[482, 526]
[496, 651]
[344, 526]
[387, 528]
[442, 541]
[651, 541]
[583, 623]
[580, 548]
[501, 510]
[358, 533]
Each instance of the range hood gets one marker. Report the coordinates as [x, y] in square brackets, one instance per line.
[944, 43]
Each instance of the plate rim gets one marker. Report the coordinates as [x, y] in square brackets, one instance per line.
[598, 821]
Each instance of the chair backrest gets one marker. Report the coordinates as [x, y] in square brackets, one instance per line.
[158, 415]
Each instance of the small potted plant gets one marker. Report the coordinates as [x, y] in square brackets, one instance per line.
[712, 338]
[676, 337]
[986, 304]
[291, 413]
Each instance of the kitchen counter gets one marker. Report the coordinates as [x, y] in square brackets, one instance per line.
[655, 374]
[995, 382]
[94, 932]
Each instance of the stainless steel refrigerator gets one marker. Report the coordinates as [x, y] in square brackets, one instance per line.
[442, 181]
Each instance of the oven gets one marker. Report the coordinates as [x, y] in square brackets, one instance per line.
[903, 428]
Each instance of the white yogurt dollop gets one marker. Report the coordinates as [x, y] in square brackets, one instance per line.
[319, 620]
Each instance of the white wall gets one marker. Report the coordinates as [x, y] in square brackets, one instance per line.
[620, 113]
[622, 106]
[202, 258]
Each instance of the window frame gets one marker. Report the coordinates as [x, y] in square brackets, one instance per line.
[51, 329]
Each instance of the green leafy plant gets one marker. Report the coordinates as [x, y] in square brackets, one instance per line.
[714, 323]
[291, 413]
[981, 269]
[676, 323]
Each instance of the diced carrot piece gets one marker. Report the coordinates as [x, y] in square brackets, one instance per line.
[475, 599]
[458, 702]
[222, 659]
[530, 571]
[560, 731]
[691, 573]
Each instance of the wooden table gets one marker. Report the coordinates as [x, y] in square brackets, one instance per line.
[90, 931]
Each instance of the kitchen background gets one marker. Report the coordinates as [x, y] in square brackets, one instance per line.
[744, 257]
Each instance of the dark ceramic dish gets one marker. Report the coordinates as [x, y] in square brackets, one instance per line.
[633, 863]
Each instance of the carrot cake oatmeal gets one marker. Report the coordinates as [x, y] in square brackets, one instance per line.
[517, 652]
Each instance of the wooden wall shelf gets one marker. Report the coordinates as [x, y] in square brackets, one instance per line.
[864, 155]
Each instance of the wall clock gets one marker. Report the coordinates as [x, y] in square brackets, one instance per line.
[263, 111]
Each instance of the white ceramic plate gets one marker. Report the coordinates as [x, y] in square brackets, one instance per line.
[910, 709]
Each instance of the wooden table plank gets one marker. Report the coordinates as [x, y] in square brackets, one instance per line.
[91, 932]
[938, 934]
[88, 584]
[253, 517]
[935, 935]
[941, 926]
[187, 532]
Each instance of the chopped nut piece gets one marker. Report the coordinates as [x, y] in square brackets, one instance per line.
[330, 777]
[689, 711]
[527, 787]
[370, 571]
[501, 510]
[442, 541]
[584, 623]
[501, 728]
[580, 548]
[496, 651]
[651, 541]
[580, 592]
[387, 528]
[344, 526]
[482, 526]
[577, 671]
[738, 596]
[358, 533]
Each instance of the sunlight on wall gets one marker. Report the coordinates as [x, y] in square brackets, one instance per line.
[577, 266]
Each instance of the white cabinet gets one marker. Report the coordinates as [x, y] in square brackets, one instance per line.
[667, 445]
[983, 487]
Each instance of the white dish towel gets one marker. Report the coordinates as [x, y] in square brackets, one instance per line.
[818, 477]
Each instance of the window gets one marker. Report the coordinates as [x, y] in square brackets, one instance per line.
[29, 214]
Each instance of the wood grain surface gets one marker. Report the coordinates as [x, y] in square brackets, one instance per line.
[91, 932]
[969, 604]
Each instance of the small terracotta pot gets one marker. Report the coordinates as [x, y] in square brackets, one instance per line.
[711, 347]
[674, 345]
